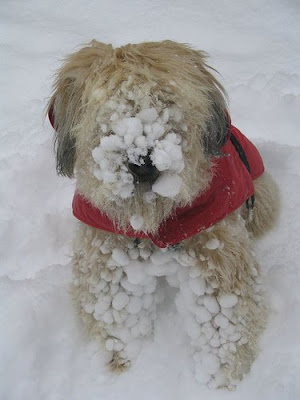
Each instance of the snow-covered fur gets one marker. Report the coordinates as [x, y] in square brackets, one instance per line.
[116, 110]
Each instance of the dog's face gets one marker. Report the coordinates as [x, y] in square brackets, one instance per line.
[139, 126]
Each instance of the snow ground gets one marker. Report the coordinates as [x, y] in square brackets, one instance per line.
[43, 351]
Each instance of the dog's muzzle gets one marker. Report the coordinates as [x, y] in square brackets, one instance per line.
[145, 172]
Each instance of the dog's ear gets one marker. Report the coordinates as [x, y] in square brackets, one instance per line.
[62, 110]
[65, 107]
[217, 120]
[217, 126]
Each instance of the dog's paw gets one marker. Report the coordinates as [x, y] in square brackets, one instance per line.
[119, 363]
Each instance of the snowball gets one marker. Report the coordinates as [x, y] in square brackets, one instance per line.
[117, 275]
[158, 257]
[105, 247]
[211, 304]
[228, 300]
[120, 257]
[198, 286]
[208, 330]
[135, 272]
[161, 159]
[157, 130]
[112, 143]
[134, 253]
[109, 344]
[148, 115]
[114, 288]
[118, 345]
[231, 329]
[167, 154]
[89, 308]
[103, 305]
[215, 341]
[140, 141]
[120, 301]
[192, 328]
[131, 320]
[235, 337]
[145, 253]
[221, 321]
[98, 94]
[176, 113]
[119, 316]
[186, 260]
[128, 139]
[136, 221]
[167, 185]
[132, 126]
[228, 312]
[212, 244]
[211, 362]
[149, 197]
[202, 315]
[108, 317]
[134, 305]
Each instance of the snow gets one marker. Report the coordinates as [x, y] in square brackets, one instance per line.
[134, 306]
[148, 115]
[44, 351]
[221, 321]
[227, 300]
[120, 257]
[211, 304]
[198, 286]
[132, 139]
[167, 154]
[167, 185]
[136, 221]
[120, 300]
[213, 244]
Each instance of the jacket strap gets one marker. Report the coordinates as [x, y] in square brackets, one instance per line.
[241, 152]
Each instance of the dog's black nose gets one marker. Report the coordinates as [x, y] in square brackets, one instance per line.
[145, 172]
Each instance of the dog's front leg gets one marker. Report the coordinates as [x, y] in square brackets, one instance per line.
[115, 297]
[221, 298]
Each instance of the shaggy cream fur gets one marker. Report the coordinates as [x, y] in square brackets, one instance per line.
[116, 279]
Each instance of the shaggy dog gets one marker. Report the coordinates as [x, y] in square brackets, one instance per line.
[166, 188]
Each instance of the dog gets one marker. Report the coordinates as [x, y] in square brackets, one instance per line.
[166, 188]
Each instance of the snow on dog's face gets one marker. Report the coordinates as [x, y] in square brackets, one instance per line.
[139, 124]
[139, 150]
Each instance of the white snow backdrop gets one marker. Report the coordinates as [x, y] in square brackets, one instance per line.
[43, 353]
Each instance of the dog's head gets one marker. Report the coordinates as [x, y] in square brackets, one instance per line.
[138, 126]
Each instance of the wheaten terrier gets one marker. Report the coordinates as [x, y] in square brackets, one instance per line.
[166, 188]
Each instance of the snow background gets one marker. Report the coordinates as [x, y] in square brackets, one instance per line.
[43, 351]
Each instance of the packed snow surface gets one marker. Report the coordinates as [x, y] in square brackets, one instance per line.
[44, 353]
